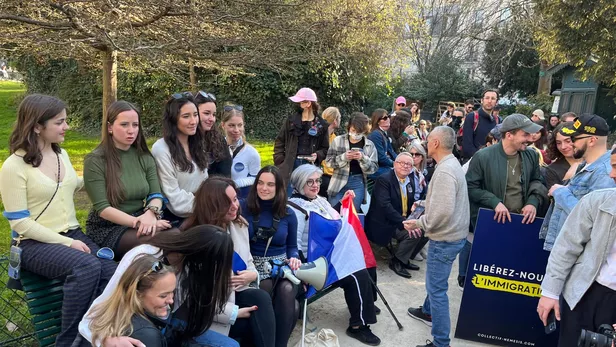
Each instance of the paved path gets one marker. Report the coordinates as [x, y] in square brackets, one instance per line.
[331, 311]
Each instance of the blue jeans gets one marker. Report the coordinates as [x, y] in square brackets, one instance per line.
[441, 255]
[356, 184]
[463, 259]
[209, 338]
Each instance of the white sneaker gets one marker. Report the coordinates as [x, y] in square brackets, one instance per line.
[424, 253]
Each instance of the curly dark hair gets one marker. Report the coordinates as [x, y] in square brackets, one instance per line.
[398, 124]
[552, 150]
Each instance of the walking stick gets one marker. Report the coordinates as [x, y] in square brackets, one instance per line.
[400, 327]
[304, 321]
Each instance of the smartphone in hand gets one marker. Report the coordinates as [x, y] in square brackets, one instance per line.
[551, 326]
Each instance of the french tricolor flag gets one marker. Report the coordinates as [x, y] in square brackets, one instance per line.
[343, 242]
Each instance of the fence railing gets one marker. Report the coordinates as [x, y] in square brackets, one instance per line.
[16, 328]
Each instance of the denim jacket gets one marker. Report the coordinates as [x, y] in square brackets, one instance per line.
[593, 177]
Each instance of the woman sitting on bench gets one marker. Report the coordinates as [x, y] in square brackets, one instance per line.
[306, 180]
[202, 257]
[248, 315]
[37, 183]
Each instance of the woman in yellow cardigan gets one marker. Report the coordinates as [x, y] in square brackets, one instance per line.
[37, 183]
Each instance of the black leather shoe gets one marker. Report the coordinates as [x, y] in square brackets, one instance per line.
[398, 268]
[411, 266]
[377, 310]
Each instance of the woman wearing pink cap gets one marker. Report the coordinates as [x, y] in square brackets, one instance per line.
[400, 103]
[303, 137]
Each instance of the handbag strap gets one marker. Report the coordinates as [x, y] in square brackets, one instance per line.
[55, 192]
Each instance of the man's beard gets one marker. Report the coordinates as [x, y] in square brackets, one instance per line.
[579, 153]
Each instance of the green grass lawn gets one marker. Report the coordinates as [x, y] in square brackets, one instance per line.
[77, 147]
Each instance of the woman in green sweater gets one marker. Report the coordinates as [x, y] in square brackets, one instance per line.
[120, 175]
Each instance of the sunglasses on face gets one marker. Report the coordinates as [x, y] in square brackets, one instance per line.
[415, 155]
[311, 183]
[401, 105]
[384, 118]
[574, 139]
[207, 95]
[182, 95]
[233, 107]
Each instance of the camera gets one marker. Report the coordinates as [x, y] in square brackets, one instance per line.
[603, 338]
[263, 233]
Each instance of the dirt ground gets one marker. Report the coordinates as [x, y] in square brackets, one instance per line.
[331, 312]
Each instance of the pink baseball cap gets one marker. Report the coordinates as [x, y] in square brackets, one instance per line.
[304, 94]
[400, 100]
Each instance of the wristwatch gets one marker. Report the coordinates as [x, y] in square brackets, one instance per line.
[155, 209]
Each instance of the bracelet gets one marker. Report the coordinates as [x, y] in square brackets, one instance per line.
[155, 209]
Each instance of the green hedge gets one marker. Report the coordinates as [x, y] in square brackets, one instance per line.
[264, 94]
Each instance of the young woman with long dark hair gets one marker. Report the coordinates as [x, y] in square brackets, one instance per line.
[180, 156]
[37, 183]
[119, 175]
[401, 130]
[139, 305]
[202, 257]
[560, 148]
[357, 286]
[246, 159]
[219, 157]
[386, 155]
[272, 230]
[303, 137]
[216, 203]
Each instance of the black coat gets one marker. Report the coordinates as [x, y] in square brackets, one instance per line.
[385, 212]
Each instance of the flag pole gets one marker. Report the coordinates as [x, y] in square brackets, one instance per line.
[304, 321]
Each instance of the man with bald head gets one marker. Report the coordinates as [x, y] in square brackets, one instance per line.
[445, 222]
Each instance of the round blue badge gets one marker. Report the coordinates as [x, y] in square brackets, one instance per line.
[239, 167]
[105, 253]
[312, 131]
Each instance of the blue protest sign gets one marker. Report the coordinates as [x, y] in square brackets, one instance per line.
[503, 284]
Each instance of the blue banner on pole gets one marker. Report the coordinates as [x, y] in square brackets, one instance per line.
[503, 284]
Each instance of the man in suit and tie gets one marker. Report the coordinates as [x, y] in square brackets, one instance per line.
[392, 199]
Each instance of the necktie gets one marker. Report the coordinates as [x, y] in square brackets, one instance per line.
[404, 199]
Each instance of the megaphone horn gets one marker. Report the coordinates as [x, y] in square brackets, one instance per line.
[314, 273]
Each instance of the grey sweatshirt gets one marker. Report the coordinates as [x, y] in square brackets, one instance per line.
[447, 213]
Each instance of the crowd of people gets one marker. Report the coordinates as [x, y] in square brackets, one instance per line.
[193, 224]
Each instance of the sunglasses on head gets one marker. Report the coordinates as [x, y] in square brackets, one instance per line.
[207, 95]
[182, 95]
[233, 107]
[156, 267]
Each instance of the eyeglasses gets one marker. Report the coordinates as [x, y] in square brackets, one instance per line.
[404, 164]
[574, 139]
[207, 95]
[233, 107]
[402, 105]
[182, 95]
[311, 183]
[416, 154]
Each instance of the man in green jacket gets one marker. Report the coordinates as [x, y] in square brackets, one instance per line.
[505, 177]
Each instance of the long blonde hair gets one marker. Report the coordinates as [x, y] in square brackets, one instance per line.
[112, 317]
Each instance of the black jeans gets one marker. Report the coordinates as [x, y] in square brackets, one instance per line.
[598, 306]
[260, 329]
